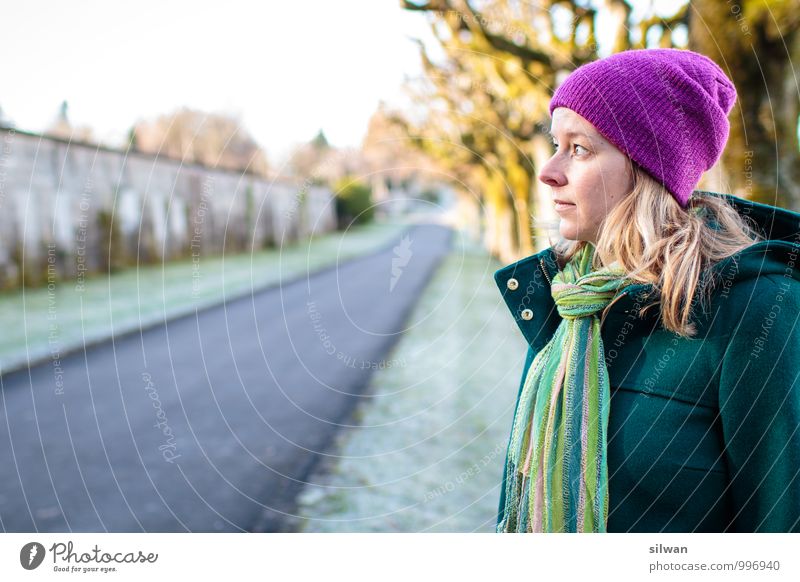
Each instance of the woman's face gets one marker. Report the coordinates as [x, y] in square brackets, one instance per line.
[587, 172]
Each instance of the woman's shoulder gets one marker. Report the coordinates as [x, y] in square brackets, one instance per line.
[762, 265]
[759, 312]
[743, 289]
[753, 295]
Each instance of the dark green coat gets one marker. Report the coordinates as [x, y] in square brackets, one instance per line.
[704, 433]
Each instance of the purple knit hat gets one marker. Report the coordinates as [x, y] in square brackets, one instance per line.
[667, 109]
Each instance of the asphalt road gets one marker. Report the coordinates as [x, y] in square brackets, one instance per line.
[209, 422]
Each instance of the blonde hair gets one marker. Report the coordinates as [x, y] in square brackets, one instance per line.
[656, 241]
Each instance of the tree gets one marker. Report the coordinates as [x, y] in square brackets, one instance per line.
[211, 139]
[62, 127]
[757, 43]
[393, 164]
[314, 161]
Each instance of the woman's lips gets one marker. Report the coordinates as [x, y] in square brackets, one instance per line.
[563, 206]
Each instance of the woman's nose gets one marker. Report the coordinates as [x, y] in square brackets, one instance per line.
[551, 174]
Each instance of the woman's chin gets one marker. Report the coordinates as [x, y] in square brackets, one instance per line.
[567, 230]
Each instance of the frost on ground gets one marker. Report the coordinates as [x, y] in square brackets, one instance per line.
[428, 451]
[44, 322]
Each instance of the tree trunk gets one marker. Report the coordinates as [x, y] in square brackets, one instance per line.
[501, 225]
[519, 179]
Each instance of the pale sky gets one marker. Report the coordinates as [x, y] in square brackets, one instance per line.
[288, 68]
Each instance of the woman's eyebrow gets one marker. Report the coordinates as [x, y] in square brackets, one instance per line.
[569, 134]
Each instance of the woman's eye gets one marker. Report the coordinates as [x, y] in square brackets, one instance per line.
[580, 152]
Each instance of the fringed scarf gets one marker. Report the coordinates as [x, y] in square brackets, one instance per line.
[556, 470]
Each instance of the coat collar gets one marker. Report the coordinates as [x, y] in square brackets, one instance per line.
[525, 284]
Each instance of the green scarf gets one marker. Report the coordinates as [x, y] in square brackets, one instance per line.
[556, 467]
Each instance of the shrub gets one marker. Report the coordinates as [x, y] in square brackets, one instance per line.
[353, 202]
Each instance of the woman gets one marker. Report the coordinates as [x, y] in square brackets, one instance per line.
[661, 390]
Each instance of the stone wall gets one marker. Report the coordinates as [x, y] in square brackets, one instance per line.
[95, 207]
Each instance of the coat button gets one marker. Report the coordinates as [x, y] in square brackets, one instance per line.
[512, 284]
[527, 314]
